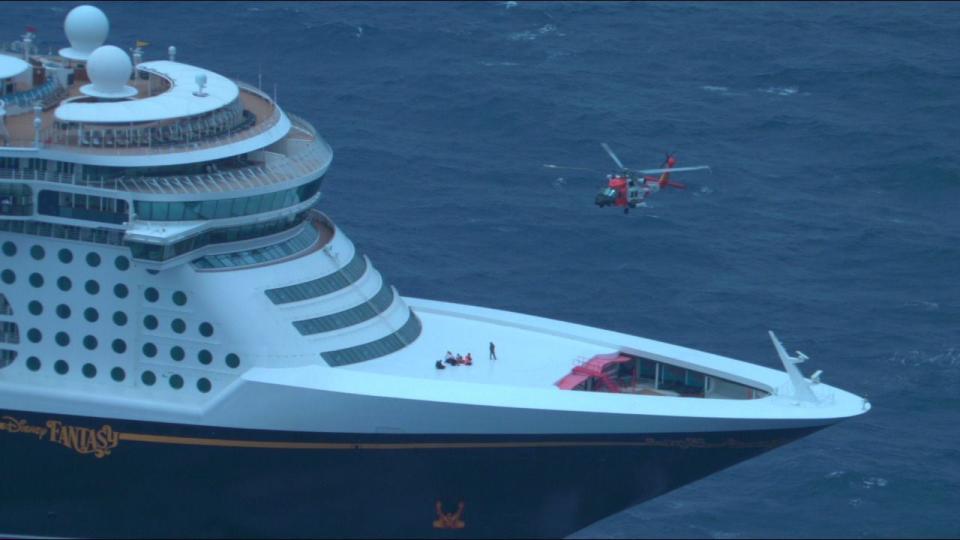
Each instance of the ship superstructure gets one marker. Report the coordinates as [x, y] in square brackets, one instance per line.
[184, 332]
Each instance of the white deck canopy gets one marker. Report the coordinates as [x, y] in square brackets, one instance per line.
[179, 101]
[11, 66]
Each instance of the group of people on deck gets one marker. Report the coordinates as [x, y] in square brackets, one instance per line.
[457, 360]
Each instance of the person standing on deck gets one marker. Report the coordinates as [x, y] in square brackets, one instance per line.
[493, 351]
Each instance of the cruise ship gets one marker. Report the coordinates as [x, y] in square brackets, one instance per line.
[190, 347]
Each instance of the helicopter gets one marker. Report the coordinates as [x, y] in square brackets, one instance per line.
[627, 188]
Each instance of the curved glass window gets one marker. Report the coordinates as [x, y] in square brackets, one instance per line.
[375, 349]
[303, 240]
[224, 208]
[320, 286]
[355, 315]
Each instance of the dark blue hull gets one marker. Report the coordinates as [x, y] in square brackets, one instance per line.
[77, 476]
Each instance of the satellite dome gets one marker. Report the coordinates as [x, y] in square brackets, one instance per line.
[109, 69]
[86, 28]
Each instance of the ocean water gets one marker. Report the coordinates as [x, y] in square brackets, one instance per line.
[831, 215]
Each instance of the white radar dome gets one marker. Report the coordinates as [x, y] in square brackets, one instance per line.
[109, 69]
[86, 28]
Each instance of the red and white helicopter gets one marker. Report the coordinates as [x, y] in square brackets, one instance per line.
[629, 187]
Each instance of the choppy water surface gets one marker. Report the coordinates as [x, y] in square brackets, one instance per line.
[831, 215]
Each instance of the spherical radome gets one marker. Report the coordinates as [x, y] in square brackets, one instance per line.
[86, 28]
[109, 68]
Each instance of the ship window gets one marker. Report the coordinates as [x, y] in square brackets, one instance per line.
[5, 308]
[150, 322]
[91, 314]
[151, 294]
[66, 257]
[119, 346]
[93, 259]
[35, 308]
[375, 349]
[33, 363]
[92, 286]
[34, 335]
[89, 370]
[122, 263]
[204, 356]
[206, 329]
[179, 298]
[203, 385]
[63, 311]
[233, 360]
[176, 352]
[8, 276]
[148, 378]
[9, 332]
[7, 356]
[178, 326]
[64, 283]
[320, 286]
[90, 342]
[9, 249]
[118, 374]
[119, 318]
[225, 208]
[176, 382]
[355, 315]
[62, 339]
[36, 280]
[61, 367]
[120, 290]
[149, 350]
[291, 246]
[79, 206]
[37, 252]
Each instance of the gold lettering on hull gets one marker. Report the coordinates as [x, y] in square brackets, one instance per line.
[451, 520]
[79, 439]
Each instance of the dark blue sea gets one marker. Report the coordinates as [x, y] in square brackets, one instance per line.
[832, 215]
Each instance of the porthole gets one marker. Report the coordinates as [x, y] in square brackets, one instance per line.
[206, 329]
[179, 298]
[150, 322]
[93, 259]
[151, 294]
[148, 378]
[176, 382]
[119, 346]
[62, 339]
[204, 357]
[63, 311]
[203, 385]
[178, 325]
[33, 363]
[34, 335]
[36, 280]
[119, 318]
[118, 374]
[149, 350]
[176, 352]
[120, 290]
[90, 342]
[91, 314]
[37, 252]
[35, 308]
[8, 276]
[89, 371]
[122, 263]
[232, 360]
[61, 367]
[92, 286]
[65, 256]
[9, 249]
[64, 283]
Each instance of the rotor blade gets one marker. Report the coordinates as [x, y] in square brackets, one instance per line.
[612, 155]
[552, 166]
[674, 169]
